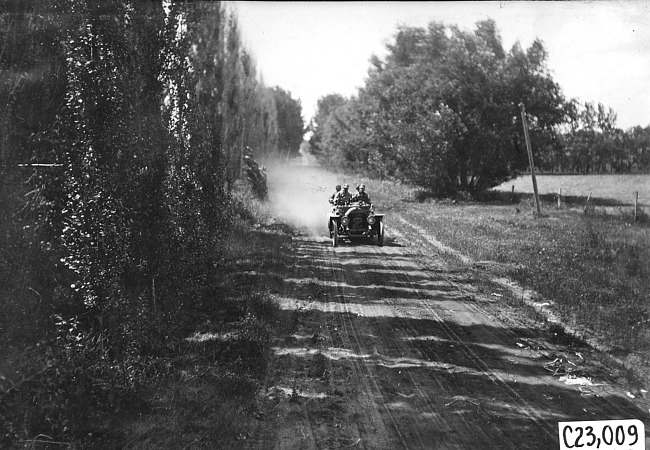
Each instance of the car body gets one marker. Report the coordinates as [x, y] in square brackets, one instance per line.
[355, 220]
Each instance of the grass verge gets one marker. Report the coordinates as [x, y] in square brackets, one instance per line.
[207, 396]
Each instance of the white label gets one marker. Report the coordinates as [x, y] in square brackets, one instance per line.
[602, 434]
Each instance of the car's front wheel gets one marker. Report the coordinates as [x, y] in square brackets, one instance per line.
[380, 235]
[335, 234]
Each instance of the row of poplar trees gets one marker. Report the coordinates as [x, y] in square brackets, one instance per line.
[123, 125]
[441, 110]
[127, 122]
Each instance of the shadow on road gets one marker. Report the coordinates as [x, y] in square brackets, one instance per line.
[404, 344]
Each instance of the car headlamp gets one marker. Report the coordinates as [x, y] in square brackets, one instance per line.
[371, 220]
[345, 220]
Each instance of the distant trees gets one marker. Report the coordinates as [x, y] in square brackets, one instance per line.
[590, 142]
[636, 143]
[324, 126]
[442, 110]
[290, 122]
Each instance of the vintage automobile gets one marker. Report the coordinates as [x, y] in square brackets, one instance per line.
[355, 220]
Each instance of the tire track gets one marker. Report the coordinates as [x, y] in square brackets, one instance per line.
[479, 362]
[461, 427]
[371, 388]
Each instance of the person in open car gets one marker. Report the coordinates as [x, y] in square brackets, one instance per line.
[361, 195]
[338, 189]
[343, 197]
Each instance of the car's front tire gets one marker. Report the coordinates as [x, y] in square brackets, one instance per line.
[380, 234]
[335, 234]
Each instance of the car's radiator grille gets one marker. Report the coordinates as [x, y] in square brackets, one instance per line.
[357, 221]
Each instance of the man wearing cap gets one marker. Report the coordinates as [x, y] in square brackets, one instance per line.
[343, 197]
[361, 195]
[338, 189]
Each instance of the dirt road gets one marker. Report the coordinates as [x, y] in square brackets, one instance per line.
[389, 351]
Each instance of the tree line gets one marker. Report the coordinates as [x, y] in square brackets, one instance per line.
[590, 142]
[441, 110]
[123, 128]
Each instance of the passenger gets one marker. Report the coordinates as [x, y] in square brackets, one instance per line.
[338, 189]
[361, 195]
[343, 197]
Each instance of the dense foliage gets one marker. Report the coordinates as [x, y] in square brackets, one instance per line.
[589, 142]
[123, 128]
[442, 111]
[290, 129]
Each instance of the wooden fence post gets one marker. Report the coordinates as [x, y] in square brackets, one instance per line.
[636, 204]
[559, 199]
[587, 204]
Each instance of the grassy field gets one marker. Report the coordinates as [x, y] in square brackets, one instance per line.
[594, 268]
[605, 188]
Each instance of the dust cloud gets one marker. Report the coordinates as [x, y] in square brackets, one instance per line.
[299, 192]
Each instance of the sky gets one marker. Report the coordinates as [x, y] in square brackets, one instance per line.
[598, 51]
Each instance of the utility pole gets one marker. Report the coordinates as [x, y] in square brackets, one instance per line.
[530, 157]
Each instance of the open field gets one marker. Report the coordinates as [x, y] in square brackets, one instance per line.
[611, 189]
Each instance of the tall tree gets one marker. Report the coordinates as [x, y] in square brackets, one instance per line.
[290, 122]
[325, 107]
[442, 109]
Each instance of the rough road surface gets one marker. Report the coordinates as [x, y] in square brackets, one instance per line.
[389, 352]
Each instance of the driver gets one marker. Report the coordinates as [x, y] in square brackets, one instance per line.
[338, 189]
[343, 197]
[361, 195]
